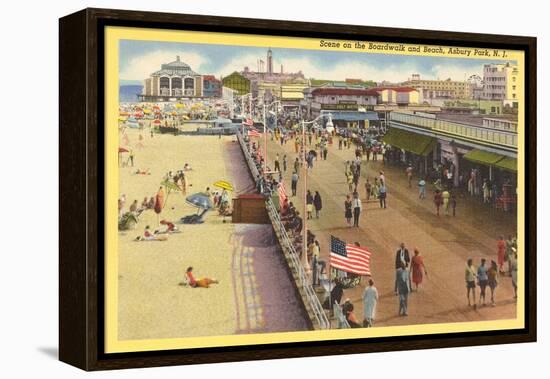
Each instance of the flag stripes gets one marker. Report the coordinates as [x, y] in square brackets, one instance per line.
[282, 194]
[348, 257]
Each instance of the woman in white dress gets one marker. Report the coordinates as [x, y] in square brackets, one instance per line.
[370, 298]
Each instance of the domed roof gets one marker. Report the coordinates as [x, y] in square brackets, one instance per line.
[177, 63]
[176, 67]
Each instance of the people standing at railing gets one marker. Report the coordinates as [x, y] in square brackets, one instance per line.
[318, 265]
[296, 224]
[288, 213]
[348, 311]
[336, 294]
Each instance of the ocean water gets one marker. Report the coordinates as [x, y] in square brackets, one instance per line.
[128, 93]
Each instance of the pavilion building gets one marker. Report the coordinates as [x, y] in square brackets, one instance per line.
[176, 80]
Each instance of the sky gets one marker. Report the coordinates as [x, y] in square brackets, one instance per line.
[138, 59]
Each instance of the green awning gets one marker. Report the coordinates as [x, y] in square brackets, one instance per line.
[507, 163]
[418, 144]
[483, 157]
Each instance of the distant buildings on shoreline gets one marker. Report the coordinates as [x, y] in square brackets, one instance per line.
[495, 93]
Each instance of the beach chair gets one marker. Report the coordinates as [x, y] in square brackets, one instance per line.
[194, 218]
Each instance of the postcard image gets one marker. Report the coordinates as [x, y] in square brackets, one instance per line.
[283, 189]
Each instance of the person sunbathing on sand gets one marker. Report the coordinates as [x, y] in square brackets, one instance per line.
[187, 167]
[148, 236]
[203, 282]
[142, 172]
[169, 228]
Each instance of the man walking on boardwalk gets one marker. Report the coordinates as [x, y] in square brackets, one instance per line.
[294, 183]
[402, 258]
[403, 289]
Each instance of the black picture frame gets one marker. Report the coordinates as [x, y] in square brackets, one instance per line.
[81, 74]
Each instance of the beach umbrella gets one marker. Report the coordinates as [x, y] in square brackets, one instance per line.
[224, 185]
[120, 151]
[200, 200]
[170, 186]
[159, 203]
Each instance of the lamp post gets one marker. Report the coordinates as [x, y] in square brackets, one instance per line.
[305, 262]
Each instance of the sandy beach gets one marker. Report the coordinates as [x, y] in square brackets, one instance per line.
[255, 290]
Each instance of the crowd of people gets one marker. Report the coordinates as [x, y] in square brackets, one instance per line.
[410, 270]
[488, 275]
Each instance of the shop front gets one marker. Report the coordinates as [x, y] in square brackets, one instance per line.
[491, 175]
[411, 148]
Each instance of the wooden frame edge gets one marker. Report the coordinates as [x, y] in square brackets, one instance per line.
[79, 186]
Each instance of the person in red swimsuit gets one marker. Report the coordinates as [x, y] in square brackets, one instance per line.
[203, 282]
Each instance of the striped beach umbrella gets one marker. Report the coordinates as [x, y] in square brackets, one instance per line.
[224, 185]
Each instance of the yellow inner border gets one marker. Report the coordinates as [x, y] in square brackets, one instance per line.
[112, 345]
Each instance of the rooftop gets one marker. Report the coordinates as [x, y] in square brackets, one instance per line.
[176, 67]
[344, 91]
[396, 89]
[473, 119]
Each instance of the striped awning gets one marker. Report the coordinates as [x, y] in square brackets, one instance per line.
[508, 163]
[418, 144]
[483, 157]
[492, 159]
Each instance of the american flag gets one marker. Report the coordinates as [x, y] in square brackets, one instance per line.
[248, 122]
[253, 133]
[348, 257]
[282, 193]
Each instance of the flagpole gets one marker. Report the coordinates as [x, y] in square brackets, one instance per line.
[329, 284]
